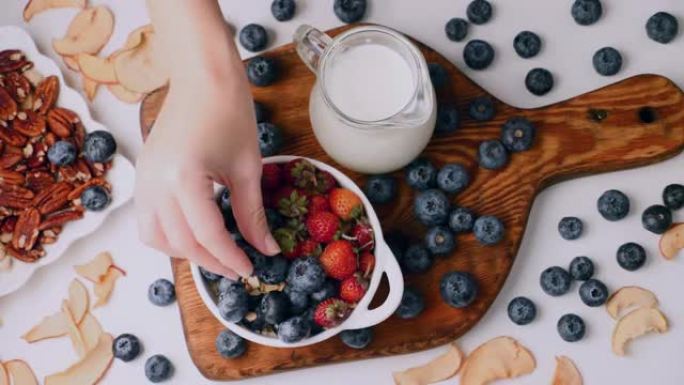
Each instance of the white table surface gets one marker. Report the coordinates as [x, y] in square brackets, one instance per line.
[567, 52]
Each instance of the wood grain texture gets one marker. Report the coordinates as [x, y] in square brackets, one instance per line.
[569, 144]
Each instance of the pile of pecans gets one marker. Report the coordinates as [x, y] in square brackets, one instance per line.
[36, 197]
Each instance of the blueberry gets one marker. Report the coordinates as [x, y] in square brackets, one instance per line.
[95, 198]
[479, 11]
[539, 81]
[261, 113]
[478, 54]
[223, 200]
[62, 153]
[586, 12]
[270, 139]
[438, 75]
[581, 268]
[571, 327]
[274, 308]
[411, 305]
[453, 178]
[456, 29]
[350, 11]
[226, 284]
[570, 228]
[555, 281]
[673, 196]
[253, 302]
[230, 345]
[273, 271]
[613, 205]
[329, 289]
[262, 71]
[161, 292]
[656, 219]
[492, 154]
[283, 10]
[527, 44]
[358, 338]
[253, 37]
[521, 310]
[489, 230]
[294, 329]
[458, 289]
[299, 300]
[631, 256]
[99, 147]
[233, 303]
[306, 275]
[518, 134]
[417, 259]
[461, 220]
[126, 347]
[481, 109]
[421, 174]
[607, 61]
[380, 189]
[662, 27]
[158, 368]
[440, 241]
[431, 207]
[593, 292]
[208, 275]
[448, 119]
[274, 219]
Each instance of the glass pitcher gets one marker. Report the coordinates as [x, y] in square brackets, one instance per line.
[372, 107]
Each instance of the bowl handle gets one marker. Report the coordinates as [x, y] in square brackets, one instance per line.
[363, 318]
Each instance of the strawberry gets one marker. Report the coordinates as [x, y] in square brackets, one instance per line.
[291, 202]
[362, 233]
[287, 240]
[308, 248]
[331, 312]
[339, 259]
[366, 263]
[345, 204]
[324, 181]
[300, 173]
[318, 203]
[322, 226]
[352, 289]
[271, 176]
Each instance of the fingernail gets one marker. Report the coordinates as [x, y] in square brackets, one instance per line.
[272, 246]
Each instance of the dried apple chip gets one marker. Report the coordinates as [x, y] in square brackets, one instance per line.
[34, 7]
[96, 68]
[439, 369]
[4, 376]
[139, 69]
[71, 63]
[95, 270]
[73, 331]
[125, 95]
[672, 241]
[88, 32]
[91, 330]
[88, 370]
[566, 372]
[90, 88]
[21, 373]
[499, 358]
[78, 300]
[635, 324]
[56, 325]
[629, 298]
[104, 288]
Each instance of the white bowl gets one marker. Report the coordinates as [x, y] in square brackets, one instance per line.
[361, 317]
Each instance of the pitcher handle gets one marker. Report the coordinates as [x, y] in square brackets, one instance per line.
[311, 44]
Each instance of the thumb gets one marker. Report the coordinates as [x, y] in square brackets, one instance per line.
[248, 210]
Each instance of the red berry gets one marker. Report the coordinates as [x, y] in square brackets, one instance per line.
[271, 176]
[300, 173]
[367, 263]
[353, 288]
[318, 203]
[331, 312]
[339, 259]
[345, 204]
[324, 181]
[363, 235]
[322, 226]
[309, 248]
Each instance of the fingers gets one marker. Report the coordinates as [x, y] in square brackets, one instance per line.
[248, 210]
[151, 233]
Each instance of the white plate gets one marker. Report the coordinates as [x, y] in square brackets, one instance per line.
[121, 176]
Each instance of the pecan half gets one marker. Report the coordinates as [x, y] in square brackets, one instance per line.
[79, 134]
[10, 157]
[26, 230]
[8, 107]
[46, 95]
[38, 156]
[15, 197]
[76, 193]
[49, 139]
[17, 86]
[56, 219]
[13, 60]
[38, 180]
[79, 171]
[8, 224]
[52, 198]
[30, 256]
[62, 121]
[11, 178]
[11, 137]
[29, 123]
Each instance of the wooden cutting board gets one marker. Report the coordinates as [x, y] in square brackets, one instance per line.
[644, 124]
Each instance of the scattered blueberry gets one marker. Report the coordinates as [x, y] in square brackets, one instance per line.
[673, 196]
[329, 289]
[461, 220]
[126, 347]
[260, 112]
[662, 27]
[607, 61]
[438, 75]
[456, 29]
[440, 241]
[270, 139]
[593, 292]
[581, 268]
[539, 81]
[489, 230]
[571, 327]
[656, 219]
[453, 178]
[421, 174]
[481, 109]
[518, 134]
[521, 310]
[412, 304]
[274, 308]
[158, 368]
[527, 44]
[306, 275]
[613, 205]
[417, 259]
[262, 71]
[99, 147]
[448, 119]
[62, 153]
[299, 300]
[479, 11]
[458, 289]
[358, 338]
[95, 198]
[253, 37]
[273, 271]
[492, 154]
[555, 281]
[570, 228]
[478, 54]
[208, 275]
[586, 12]
[350, 11]
[283, 10]
[631, 256]
[431, 207]
[233, 303]
[161, 292]
[380, 189]
[294, 329]
[230, 345]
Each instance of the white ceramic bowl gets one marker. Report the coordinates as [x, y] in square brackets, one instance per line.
[361, 317]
